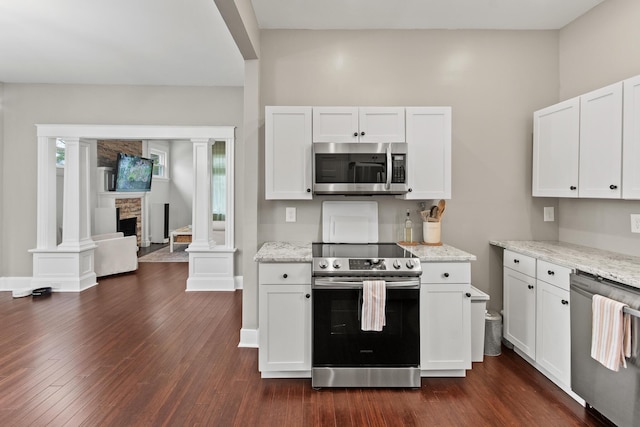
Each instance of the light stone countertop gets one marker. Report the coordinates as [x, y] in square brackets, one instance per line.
[610, 265]
[301, 252]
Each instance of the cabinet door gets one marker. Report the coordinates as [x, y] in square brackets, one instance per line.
[285, 328]
[555, 150]
[520, 311]
[287, 153]
[381, 124]
[631, 139]
[429, 153]
[601, 143]
[445, 326]
[335, 124]
[553, 332]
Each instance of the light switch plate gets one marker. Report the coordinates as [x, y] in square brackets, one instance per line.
[549, 213]
[290, 215]
[635, 223]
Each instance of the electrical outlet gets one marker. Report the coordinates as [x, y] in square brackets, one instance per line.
[635, 223]
[290, 215]
[549, 213]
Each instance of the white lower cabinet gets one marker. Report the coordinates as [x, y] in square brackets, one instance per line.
[445, 319]
[537, 317]
[284, 320]
[520, 311]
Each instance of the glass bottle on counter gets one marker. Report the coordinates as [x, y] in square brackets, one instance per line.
[408, 228]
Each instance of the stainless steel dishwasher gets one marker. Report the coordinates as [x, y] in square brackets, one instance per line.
[616, 395]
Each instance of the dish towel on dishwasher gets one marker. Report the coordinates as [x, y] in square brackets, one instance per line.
[610, 332]
[374, 296]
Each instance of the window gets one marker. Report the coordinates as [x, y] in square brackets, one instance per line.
[219, 181]
[60, 152]
[159, 163]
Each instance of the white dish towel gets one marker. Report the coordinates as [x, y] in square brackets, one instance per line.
[374, 298]
[610, 333]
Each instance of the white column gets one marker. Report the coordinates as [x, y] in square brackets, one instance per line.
[202, 221]
[46, 204]
[76, 229]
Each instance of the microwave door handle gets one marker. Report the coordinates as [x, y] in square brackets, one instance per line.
[389, 167]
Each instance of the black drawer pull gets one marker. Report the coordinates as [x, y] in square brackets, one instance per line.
[613, 187]
[355, 134]
[308, 190]
[550, 272]
[468, 295]
[573, 187]
[285, 275]
[565, 302]
[307, 296]
[517, 261]
[530, 286]
[446, 274]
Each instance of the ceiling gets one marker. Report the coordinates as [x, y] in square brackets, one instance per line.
[186, 42]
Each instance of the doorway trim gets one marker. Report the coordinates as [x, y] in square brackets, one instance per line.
[69, 266]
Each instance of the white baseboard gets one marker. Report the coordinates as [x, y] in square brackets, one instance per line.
[248, 338]
[239, 282]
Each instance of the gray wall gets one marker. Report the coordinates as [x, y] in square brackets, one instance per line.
[494, 80]
[25, 105]
[2, 202]
[597, 49]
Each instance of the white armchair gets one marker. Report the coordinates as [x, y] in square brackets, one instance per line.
[115, 254]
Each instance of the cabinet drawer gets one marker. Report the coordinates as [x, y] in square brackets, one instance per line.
[298, 273]
[518, 262]
[554, 274]
[446, 272]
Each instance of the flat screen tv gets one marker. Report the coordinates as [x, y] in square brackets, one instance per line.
[133, 173]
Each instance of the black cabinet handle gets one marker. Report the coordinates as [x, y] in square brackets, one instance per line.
[565, 302]
[285, 275]
[307, 296]
[613, 187]
[550, 272]
[308, 190]
[446, 274]
[410, 190]
[530, 286]
[516, 261]
[355, 134]
[573, 187]
[468, 295]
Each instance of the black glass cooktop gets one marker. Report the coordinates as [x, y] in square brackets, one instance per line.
[358, 250]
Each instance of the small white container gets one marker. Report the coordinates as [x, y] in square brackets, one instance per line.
[431, 233]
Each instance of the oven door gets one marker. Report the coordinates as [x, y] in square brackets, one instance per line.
[360, 168]
[339, 341]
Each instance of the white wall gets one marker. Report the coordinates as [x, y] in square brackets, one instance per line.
[494, 80]
[2, 232]
[181, 185]
[597, 49]
[25, 105]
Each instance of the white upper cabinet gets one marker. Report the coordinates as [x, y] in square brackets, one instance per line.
[429, 153]
[353, 124]
[288, 153]
[601, 143]
[631, 139]
[556, 132]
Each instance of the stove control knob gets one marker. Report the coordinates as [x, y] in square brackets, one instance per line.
[336, 264]
[375, 261]
[397, 265]
[323, 264]
[410, 264]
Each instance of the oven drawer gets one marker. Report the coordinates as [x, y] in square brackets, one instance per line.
[298, 273]
[521, 263]
[446, 272]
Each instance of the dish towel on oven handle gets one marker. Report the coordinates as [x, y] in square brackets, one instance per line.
[374, 296]
[610, 332]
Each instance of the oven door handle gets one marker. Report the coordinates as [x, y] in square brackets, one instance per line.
[345, 284]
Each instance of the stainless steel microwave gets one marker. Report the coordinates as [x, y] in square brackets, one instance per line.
[360, 168]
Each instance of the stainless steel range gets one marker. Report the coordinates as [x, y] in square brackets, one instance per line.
[345, 355]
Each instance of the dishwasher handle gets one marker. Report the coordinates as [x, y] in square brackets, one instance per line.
[575, 287]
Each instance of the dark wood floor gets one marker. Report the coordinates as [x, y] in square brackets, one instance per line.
[139, 350]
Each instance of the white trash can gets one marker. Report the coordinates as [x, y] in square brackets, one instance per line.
[478, 309]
